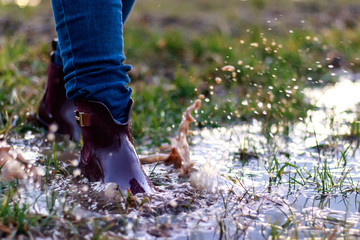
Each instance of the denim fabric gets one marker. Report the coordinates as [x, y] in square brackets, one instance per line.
[90, 44]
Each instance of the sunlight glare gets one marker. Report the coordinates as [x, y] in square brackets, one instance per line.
[34, 3]
[21, 3]
[343, 96]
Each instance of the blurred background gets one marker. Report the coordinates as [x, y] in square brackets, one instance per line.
[178, 50]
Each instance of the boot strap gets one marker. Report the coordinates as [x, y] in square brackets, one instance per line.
[82, 119]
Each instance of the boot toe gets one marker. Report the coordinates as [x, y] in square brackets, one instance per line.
[122, 166]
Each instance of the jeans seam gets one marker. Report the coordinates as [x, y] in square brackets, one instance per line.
[70, 45]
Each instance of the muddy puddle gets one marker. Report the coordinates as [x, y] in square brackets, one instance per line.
[245, 186]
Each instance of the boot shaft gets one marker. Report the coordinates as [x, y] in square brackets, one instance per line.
[54, 107]
[98, 126]
[55, 94]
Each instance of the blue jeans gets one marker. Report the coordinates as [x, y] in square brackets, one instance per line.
[91, 51]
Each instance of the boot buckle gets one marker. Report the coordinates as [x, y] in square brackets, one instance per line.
[79, 118]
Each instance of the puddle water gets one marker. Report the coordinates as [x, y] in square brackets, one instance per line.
[303, 186]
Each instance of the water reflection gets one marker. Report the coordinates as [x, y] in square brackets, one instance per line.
[21, 3]
[341, 97]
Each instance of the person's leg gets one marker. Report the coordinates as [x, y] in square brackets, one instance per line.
[92, 54]
[54, 107]
[55, 99]
[127, 6]
[91, 43]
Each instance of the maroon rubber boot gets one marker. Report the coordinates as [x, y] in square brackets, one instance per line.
[54, 107]
[108, 153]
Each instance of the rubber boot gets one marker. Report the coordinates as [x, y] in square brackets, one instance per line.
[108, 153]
[54, 107]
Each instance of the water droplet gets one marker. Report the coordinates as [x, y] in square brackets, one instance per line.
[76, 172]
[40, 171]
[85, 188]
[173, 203]
[228, 68]
[218, 80]
[50, 136]
[53, 128]
[75, 163]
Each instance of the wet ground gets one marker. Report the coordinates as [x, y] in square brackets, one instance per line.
[245, 184]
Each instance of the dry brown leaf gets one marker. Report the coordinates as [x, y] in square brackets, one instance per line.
[14, 165]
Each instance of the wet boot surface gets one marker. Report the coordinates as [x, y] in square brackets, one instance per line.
[54, 107]
[108, 153]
